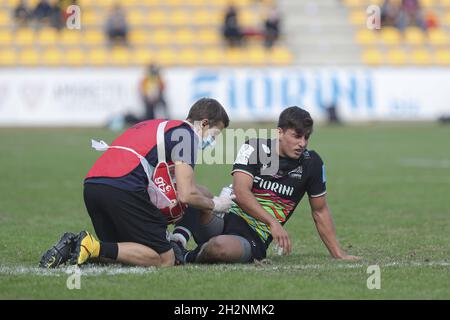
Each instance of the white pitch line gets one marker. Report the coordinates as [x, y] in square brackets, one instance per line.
[118, 270]
[84, 271]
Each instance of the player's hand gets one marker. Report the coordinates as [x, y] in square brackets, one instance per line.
[281, 237]
[223, 203]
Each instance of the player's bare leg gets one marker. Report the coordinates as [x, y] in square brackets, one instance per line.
[88, 248]
[223, 248]
[139, 255]
[219, 249]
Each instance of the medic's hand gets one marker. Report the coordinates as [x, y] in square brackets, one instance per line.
[223, 203]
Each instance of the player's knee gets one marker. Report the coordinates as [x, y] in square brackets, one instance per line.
[218, 248]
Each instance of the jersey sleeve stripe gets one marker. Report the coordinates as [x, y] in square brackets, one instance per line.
[243, 171]
[318, 195]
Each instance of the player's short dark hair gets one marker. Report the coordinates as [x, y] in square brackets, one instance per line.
[211, 109]
[296, 118]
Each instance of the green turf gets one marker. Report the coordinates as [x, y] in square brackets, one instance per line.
[388, 186]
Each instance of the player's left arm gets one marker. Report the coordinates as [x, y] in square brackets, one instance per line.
[326, 229]
[203, 190]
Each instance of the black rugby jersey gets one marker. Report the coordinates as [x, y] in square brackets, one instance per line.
[278, 191]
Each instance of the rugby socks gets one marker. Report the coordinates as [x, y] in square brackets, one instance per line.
[183, 232]
[109, 250]
[188, 224]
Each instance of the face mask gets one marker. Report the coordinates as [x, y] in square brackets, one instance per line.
[208, 141]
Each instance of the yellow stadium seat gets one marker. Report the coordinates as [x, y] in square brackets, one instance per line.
[358, 17]
[166, 57]
[120, 56]
[396, 57]
[97, 57]
[75, 57]
[366, 36]
[414, 36]
[280, 56]
[52, 57]
[70, 37]
[24, 37]
[390, 36]
[446, 19]
[135, 18]
[5, 18]
[93, 37]
[256, 56]
[202, 17]
[208, 37]
[438, 37]
[180, 17]
[188, 57]
[8, 57]
[421, 57]
[105, 3]
[442, 57]
[249, 18]
[90, 17]
[143, 56]
[161, 37]
[372, 57]
[234, 56]
[184, 36]
[354, 3]
[174, 3]
[6, 37]
[140, 36]
[199, 2]
[213, 56]
[428, 3]
[47, 36]
[157, 17]
[28, 57]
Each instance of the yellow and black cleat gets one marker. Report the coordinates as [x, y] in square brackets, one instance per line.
[60, 252]
[86, 247]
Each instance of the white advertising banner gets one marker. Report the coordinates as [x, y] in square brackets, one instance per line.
[65, 97]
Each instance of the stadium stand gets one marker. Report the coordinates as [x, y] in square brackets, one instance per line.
[411, 46]
[171, 32]
[189, 32]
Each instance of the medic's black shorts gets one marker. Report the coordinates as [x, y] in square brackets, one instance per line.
[125, 216]
[235, 225]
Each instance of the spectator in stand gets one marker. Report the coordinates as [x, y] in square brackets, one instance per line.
[389, 12]
[116, 26]
[231, 30]
[271, 27]
[22, 14]
[410, 15]
[151, 90]
[42, 13]
[56, 18]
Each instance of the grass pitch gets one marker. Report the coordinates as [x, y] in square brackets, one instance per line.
[388, 189]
